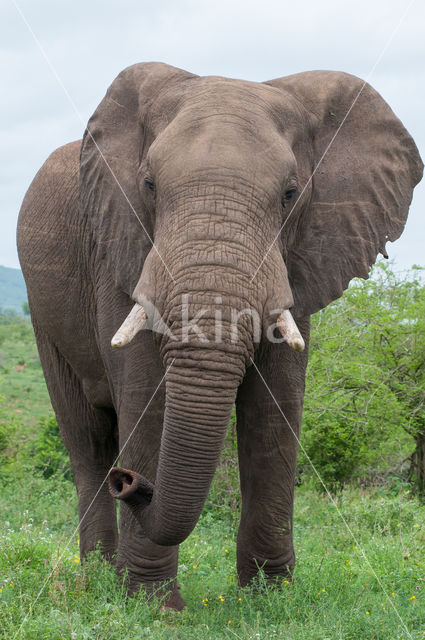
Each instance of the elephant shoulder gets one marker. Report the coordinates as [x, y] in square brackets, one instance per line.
[63, 164]
[48, 234]
[52, 247]
[50, 196]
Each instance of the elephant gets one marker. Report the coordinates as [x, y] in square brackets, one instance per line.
[192, 204]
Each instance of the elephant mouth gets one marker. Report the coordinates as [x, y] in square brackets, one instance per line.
[150, 318]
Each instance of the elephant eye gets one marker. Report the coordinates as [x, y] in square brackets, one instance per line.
[289, 194]
[149, 184]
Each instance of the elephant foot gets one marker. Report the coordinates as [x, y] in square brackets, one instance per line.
[106, 544]
[271, 578]
[267, 582]
[173, 600]
[166, 593]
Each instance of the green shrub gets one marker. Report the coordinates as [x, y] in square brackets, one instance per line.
[363, 411]
[334, 449]
[50, 456]
[21, 331]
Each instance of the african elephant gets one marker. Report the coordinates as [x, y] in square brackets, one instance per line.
[213, 197]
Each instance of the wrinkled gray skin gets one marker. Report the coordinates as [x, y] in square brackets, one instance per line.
[221, 155]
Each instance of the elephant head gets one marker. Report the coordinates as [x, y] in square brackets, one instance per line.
[215, 194]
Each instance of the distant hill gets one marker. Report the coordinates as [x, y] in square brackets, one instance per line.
[13, 292]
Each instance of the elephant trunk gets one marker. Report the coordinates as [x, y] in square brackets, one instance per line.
[196, 417]
[207, 323]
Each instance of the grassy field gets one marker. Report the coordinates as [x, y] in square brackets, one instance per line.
[359, 576]
[23, 390]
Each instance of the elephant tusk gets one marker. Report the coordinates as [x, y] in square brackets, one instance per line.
[130, 327]
[289, 330]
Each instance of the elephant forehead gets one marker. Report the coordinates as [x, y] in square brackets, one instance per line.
[219, 147]
[256, 105]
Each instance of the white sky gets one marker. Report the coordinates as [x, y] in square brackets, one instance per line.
[89, 43]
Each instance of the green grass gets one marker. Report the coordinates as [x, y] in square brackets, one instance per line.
[335, 593]
[23, 393]
[365, 585]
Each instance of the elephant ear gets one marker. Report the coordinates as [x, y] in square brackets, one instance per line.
[365, 168]
[115, 142]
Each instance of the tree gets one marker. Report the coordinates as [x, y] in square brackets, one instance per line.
[366, 380]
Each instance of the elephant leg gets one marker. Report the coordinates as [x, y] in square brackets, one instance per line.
[90, 435]
[148, 565]
[267, 450]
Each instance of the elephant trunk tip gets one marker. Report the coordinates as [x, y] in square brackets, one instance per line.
[130, 487]
[133, 489]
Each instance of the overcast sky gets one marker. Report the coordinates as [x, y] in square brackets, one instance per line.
[46, 101]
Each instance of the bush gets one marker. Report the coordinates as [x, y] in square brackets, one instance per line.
[363, 411]
[334, 449]
[21, 331]
[50, 456]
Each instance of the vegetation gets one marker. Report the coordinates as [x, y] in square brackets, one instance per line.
[361, 547]
[364, 414]
[367, 586]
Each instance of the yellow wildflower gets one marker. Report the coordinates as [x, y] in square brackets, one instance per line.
[412, 598]
[367, 613]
